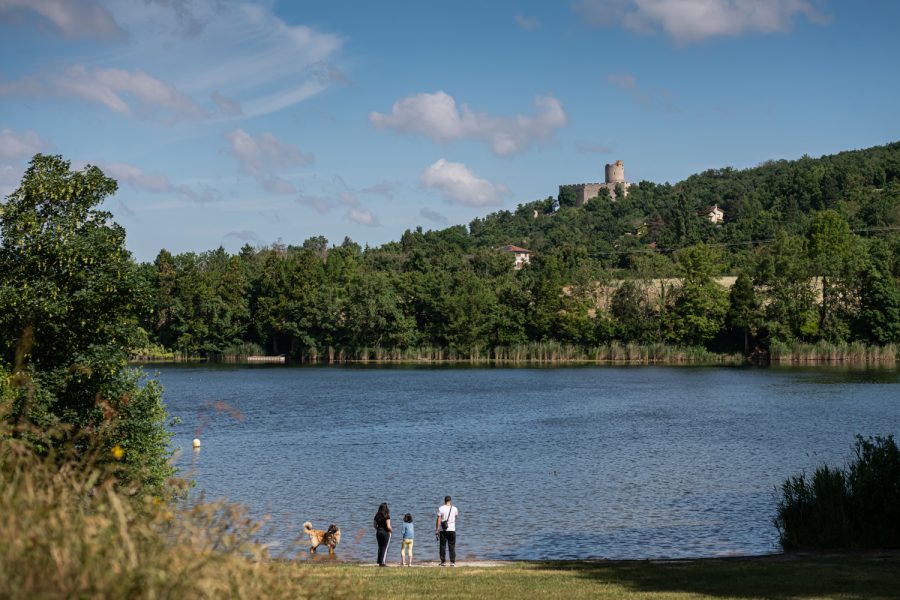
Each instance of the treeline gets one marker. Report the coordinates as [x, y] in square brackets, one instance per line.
[814, 244]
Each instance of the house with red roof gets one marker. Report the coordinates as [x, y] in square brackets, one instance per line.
[522, 256]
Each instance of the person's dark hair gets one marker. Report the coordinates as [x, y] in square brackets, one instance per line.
[383, 514]
[447, 498]
[407, 518]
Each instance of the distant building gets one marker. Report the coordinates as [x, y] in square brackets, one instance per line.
[614, 177]
[716, 214]
[522, 256]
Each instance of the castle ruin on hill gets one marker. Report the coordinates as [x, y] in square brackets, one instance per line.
[615, 177]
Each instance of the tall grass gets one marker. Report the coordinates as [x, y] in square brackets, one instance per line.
[828, 352]
[239, 352]
[540, 353]
[70, 531]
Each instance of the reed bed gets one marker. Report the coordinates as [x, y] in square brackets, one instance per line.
[241, 352]
[827, 352]
[540, 353]
[70, 531]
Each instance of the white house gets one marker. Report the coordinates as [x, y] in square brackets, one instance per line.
[522, 256]
[716, 214]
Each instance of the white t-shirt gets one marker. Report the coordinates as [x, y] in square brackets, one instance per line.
[448, 513]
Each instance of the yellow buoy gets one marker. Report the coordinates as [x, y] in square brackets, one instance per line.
[196, 442]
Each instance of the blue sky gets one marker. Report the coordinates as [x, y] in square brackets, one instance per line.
[229, 123]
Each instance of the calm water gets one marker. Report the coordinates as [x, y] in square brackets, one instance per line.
[543, 463]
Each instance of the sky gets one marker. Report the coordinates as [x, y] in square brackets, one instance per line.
[231, 123]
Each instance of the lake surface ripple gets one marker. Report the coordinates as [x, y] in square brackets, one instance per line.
[601, 462]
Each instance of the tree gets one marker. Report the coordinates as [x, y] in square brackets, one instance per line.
[631, 313]
[698, 310]
[878, 320]
[70, 297]
[567, 196]
[743, 307]
[829, 243]
[783, 271]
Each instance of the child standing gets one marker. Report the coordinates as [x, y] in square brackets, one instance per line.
[407, 545]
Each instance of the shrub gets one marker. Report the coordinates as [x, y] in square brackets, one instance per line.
[856, 507]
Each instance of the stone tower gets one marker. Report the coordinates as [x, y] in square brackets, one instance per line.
[615, 173]
[615, 176]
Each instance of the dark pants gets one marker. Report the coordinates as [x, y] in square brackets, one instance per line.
[384, 539]
[448, 538]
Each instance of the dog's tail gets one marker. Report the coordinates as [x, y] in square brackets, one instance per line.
[307, 527]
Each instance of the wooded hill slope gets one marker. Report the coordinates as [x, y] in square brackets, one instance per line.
[814, 244]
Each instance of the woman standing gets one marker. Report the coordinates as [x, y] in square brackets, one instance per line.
[383, 532]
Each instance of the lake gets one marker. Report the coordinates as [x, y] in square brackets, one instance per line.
[543, 463]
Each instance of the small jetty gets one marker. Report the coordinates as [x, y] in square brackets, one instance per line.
[265, 359]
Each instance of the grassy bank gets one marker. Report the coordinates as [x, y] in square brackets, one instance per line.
[848, 577]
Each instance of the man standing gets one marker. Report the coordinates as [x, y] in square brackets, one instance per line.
[445, 530]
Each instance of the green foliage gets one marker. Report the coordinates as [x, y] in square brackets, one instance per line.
[856, 507]
[70, 299]
[743, 308]
[698, 310]
[641, 269]
[566, 197]
[878, 320]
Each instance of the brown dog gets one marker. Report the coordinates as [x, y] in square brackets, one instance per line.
[317, 537]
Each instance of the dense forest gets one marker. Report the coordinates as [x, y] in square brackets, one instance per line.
[814, 245]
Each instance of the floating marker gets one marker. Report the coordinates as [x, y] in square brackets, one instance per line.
[196, 442]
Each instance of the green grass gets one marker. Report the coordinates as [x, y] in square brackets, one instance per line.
[846, 577]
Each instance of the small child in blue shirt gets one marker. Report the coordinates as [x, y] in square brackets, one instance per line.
[406, 545]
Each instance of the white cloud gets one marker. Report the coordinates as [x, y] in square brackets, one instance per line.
[527, 23]
[460, 186]
[21, 145]
[275, 65]
[264, 155]
[156, 183]
[433, 216]
[387, 189]
[437, 117]
[320, 204]
[623, 81]
[241, 55]
[245, 235]
[187, 13]
[688, 21]
[74, 18]
[336, 194]
[584, 147]
[659, 98]
[277, 185]
[136, 177]
[362, 217]
[119, 90]
[227, 106]
[10, 176]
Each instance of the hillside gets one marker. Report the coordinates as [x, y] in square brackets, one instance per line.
[862, 185]
[813, 244]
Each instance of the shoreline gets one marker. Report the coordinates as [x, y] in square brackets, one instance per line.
[775, 557]
[823, 362]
